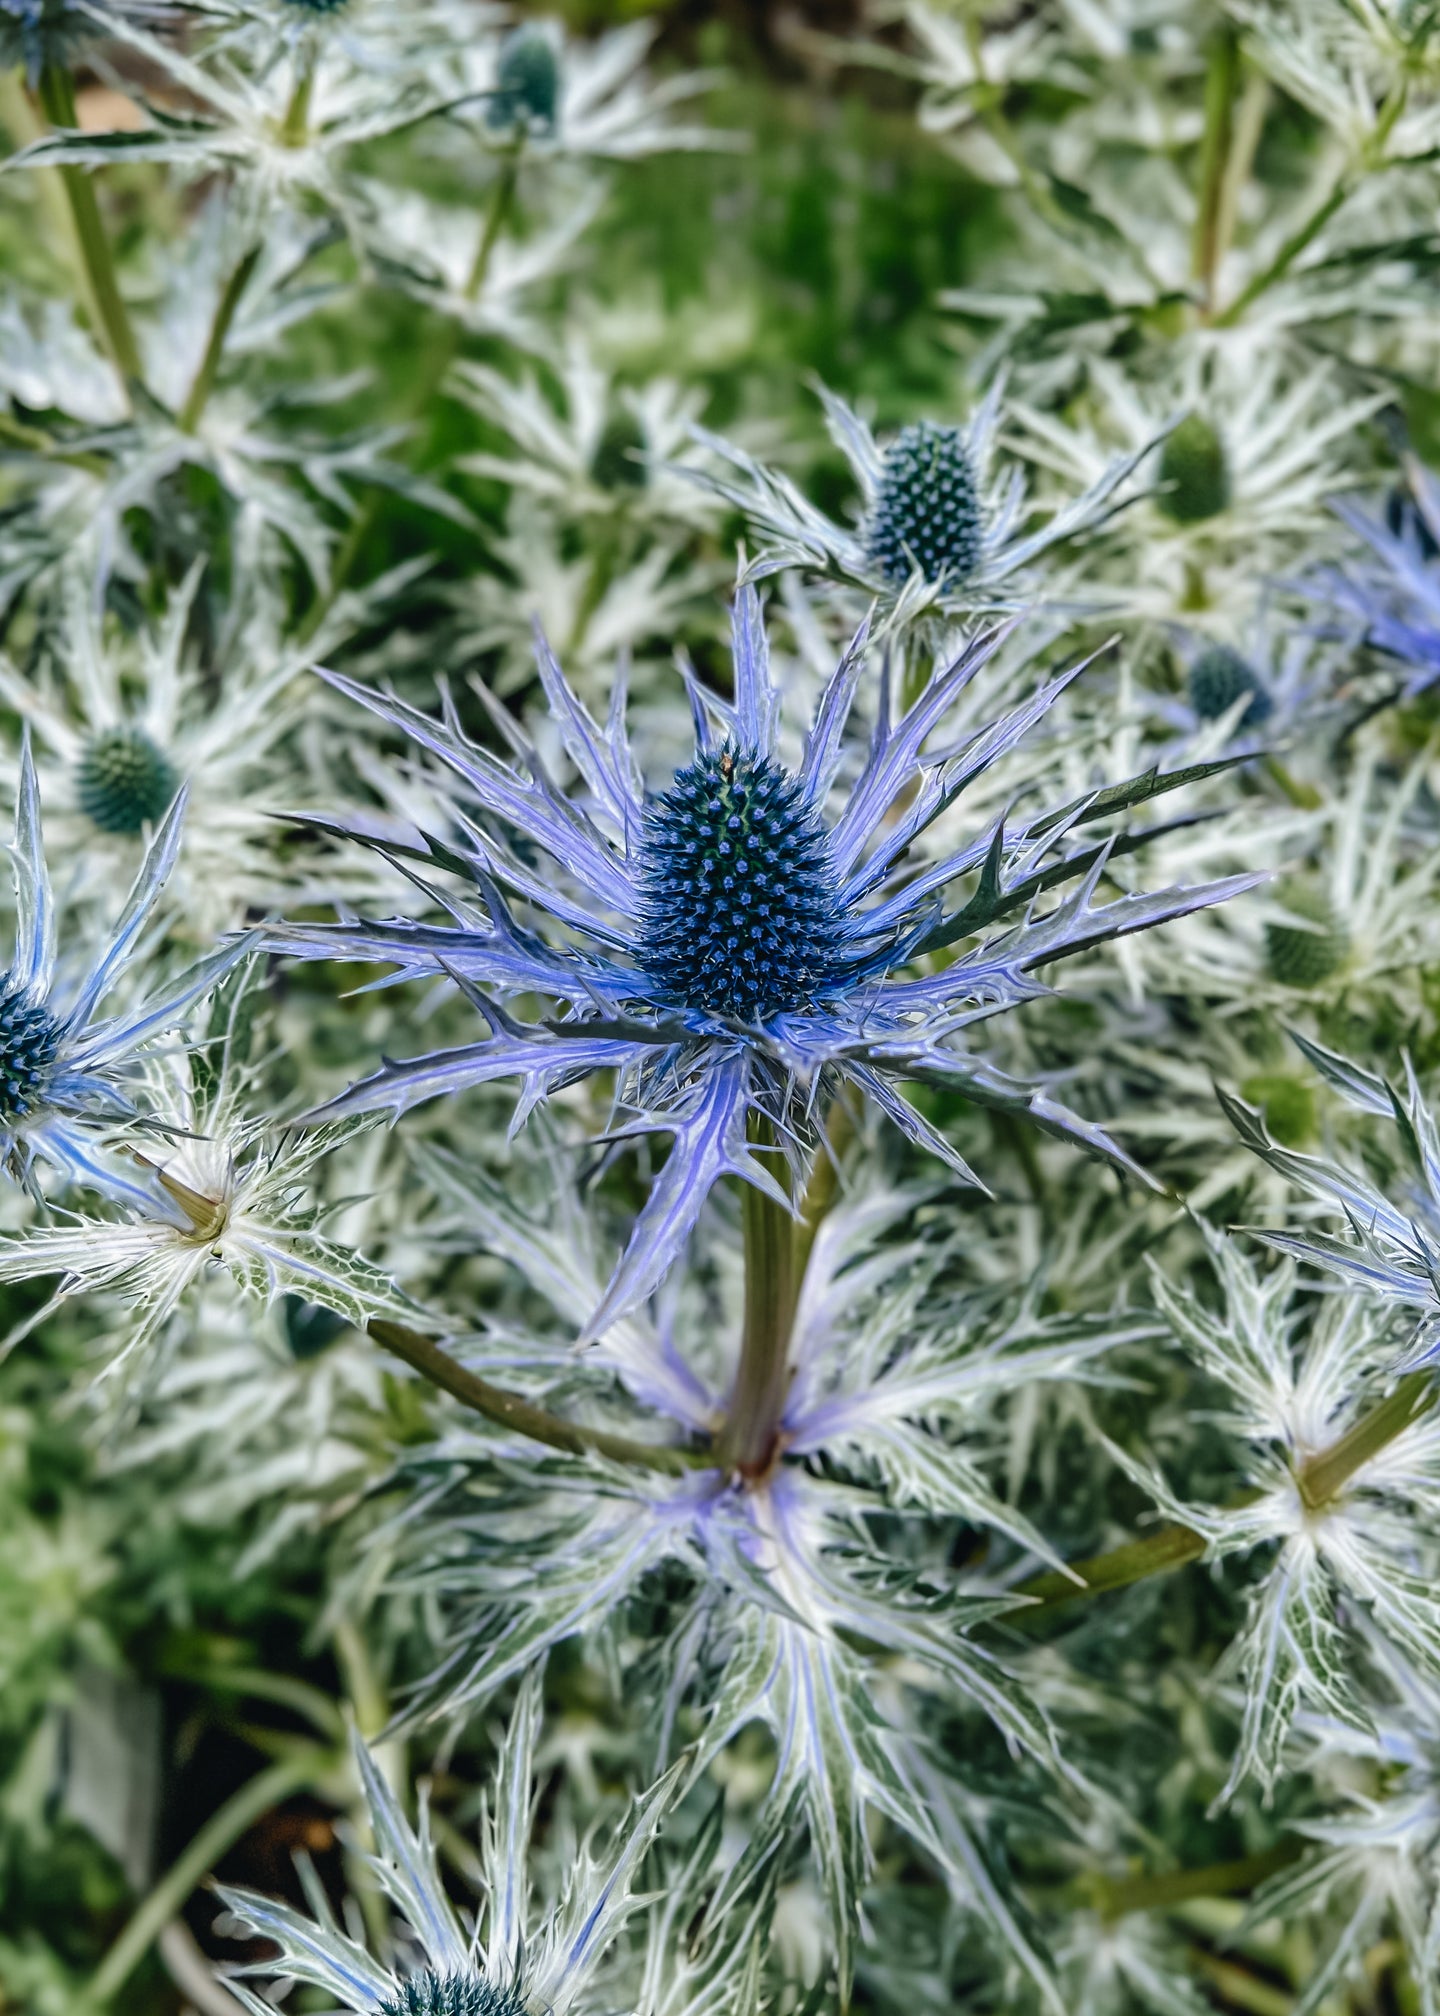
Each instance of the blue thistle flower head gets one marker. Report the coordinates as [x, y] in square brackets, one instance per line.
[452, 1995]
[749, 933]
[30, 1037]
[1218, 678]
[527, 82]
[65, 1066]
[926, 513]
[741, 912]
[123, 782]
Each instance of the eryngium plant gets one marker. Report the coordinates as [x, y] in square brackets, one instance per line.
[820, 1575]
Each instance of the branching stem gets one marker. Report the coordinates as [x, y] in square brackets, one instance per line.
[510, 1410]
[199, 394]
[1319, 1480]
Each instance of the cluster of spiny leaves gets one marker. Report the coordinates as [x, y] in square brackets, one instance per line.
[1072, 1642]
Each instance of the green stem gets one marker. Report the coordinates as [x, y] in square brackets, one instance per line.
[1319, 1480]
[1180, 1886]
[1372, 157]
[427, 383]
[57, 98]
[1220, 83]
[1325, 1475]
[239, 1813]
[295, 126]
[509, 1410]
[199, 394]
[751, 1435]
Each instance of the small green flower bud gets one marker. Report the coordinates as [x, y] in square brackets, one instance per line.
[1306, 953]
[1288, 1105]
[1194, 472]
[124, 783]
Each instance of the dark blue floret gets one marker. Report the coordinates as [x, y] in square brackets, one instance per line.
[926, 512]
[453, 1995]
[29, 1040]
[320, 6]
[1217, 679]
[741, 915]
[527, 81]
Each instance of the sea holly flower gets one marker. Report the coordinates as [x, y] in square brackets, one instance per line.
[122, 715]
[67, 1070]
[1391, 600]
[1247, 462]
[1372, 1867]
[749, 938]
[514, 1959]
[790, 1614]
[1358, 1547]
[226, 1193]
[1391, 1246]
[938, 532]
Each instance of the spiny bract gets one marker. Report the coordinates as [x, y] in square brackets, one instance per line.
[527, 81]
[29, 1039]
[1218, 678]
[742, 914]
[1194, 472]
[124, 783]
[926, 513]
[453, 1995]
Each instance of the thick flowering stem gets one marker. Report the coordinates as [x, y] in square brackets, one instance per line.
[429, 378]
[1319, 1480]
[510, 1410]
[1215, 158]
[56, 92]
[199, 394]
[750, 1441]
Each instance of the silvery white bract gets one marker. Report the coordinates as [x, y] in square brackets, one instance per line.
[723, 948]
[228, 1193]
[773, 1598]
[940, 533]
[515, 1957]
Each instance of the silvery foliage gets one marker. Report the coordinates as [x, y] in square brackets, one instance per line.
[876, 1731]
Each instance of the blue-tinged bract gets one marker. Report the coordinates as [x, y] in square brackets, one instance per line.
[727, 986]
[926, 513]
[66, 1067]
[123, 782]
